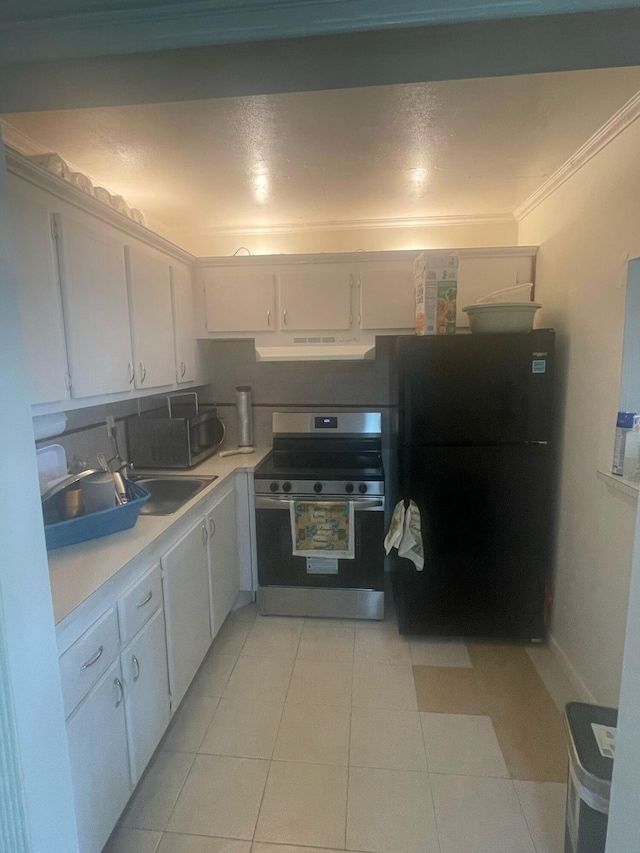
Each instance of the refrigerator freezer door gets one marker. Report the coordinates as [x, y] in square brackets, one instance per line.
[487, 524]
[476, 389]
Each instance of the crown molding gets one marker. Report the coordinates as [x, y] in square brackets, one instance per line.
[356, 225]
[22, 167]
[612, 128]
[364, 257]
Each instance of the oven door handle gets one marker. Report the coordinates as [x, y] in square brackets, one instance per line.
[266, 502]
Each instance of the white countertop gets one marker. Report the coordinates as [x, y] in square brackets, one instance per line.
[77, 571]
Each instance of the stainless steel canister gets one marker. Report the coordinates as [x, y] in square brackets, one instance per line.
[245, 416]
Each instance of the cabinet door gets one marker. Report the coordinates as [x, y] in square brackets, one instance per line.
[146, 681]
[315, 298]
[39, 293]
[386, 297]
[183, 324]
[223, 558]
[151, 318]
[186, 599]
[240, 301]
[94, 291]
[97, 737]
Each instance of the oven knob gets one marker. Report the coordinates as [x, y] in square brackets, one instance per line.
[274, 487]
[286, 487]
[348, 488]
[317, 487]
[362, 488]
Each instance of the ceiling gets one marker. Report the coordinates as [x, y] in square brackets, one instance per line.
[444, 149]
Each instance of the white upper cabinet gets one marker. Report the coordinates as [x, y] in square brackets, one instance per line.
[386, 296]
[184, 330]
[315, 298]
[96, 308]
[151, 317]
[240, 300]
[40, 301]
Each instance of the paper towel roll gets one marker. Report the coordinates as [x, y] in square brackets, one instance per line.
[46, 426]
[245, 416]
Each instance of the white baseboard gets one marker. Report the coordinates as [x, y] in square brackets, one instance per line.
[570, 671]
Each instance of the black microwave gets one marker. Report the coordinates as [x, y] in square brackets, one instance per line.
[179, 437]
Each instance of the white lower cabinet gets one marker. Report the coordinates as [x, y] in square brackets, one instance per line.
[224, 569]
[146, 691]
[185, 583]
[97, 735]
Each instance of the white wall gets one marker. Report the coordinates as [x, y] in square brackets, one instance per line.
[210, 243]
[587, 229]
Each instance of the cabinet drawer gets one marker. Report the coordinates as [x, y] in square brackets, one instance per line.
[139, 603]
[88, 658]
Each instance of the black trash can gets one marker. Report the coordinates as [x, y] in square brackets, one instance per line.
[590, 746]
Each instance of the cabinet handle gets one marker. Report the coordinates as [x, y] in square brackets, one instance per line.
[67, 381]
[131, 372]
[183, 369]
[268, 316]
[145, 600]
[205, 534]
[93, 659]
[212, 527]
[136, 663]
[284, 317]
[143, 372]
[118, 684]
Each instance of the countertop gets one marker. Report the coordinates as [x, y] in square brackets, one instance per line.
[77, 571]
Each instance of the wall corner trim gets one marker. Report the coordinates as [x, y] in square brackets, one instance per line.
[618, 122]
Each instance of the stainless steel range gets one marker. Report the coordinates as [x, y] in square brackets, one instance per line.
[322, 457]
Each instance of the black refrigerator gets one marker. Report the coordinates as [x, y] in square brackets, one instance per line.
[476, 452]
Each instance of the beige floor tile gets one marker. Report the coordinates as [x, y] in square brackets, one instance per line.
[479, 815]
[173, 842]
[386, 739]
[262, 847]
[245, 614]
[242, 728]
[462, 744]
[304, 804]
[428, 652]
[377, 685]
[528, 725]
[126, 840]
[221, 797]
[272, 639]
[450, 690]
[381, 647]
[231, 637]
[316, 682]
[189, 723]
[543, 804]
[333, 642]
[157, 792]
[318, 734]
[213, 675]
[260, 679]
[390, 811]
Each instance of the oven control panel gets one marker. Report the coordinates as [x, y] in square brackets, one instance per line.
[306, 488]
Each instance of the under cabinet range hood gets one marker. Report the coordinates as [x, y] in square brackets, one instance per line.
[302, 349]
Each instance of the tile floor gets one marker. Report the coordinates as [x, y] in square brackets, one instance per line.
[304, 734]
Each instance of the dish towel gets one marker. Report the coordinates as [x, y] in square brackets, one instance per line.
[405, 534]
[322, 529]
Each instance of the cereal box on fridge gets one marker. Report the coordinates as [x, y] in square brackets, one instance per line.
[435, 278]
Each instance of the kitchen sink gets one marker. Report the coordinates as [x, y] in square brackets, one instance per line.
[170, 492]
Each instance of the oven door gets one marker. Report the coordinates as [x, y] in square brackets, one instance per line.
[302, 586]
[277, 566]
